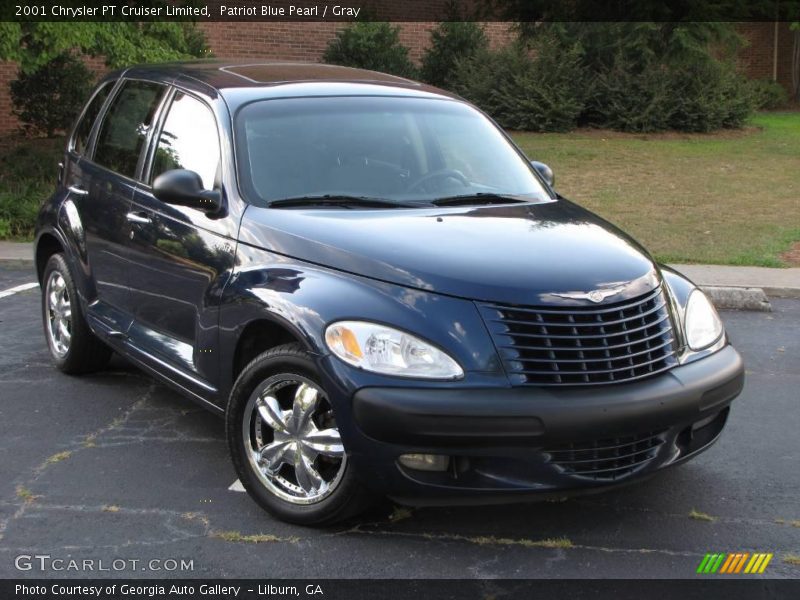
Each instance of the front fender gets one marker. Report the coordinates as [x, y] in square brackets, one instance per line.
[305, 298]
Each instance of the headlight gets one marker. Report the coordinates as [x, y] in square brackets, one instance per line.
[702, 323]
[385, 350]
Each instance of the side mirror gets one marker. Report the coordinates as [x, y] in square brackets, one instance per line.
[545, 171]
[185, 188]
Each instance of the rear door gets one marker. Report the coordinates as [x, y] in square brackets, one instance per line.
[182, 257]
[108, 179]
[87, 208]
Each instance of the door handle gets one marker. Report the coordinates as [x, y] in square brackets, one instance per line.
[138, 217]
[78, 191]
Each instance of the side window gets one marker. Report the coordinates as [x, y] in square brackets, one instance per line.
[188, 140]
[80, 139]
[125, 127]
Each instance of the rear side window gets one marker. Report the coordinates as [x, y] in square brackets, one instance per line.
[125, 126]
[188, 140]
[80, 140]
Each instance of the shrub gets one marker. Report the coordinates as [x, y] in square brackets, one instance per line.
[370, 45]
[27, 177]
[696, 97]
[768, 94]
[655, 76]
[627, 98]
[537, 88]
[709, 96]
[451, 42]
[47, 99]
[638, 77]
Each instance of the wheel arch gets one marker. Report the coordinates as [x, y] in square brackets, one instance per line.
[47, 244]
[260, 334]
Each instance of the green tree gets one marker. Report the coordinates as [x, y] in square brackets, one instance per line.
[370, 45]
[796, 61]
[451, 42]
[35, 44]
[534, 86]
[48, 99]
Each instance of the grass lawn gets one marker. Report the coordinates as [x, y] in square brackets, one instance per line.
[731, 197]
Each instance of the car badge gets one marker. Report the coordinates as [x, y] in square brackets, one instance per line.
[594, 295]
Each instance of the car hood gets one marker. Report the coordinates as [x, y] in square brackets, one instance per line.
[519, 254]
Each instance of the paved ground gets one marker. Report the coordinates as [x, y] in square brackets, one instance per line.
[117, 466]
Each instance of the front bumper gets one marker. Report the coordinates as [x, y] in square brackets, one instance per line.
[508, 442]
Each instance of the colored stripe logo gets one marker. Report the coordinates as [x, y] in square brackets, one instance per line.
[734, 563]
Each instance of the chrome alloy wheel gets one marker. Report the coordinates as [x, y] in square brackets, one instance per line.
[59, 314]
[293, 442]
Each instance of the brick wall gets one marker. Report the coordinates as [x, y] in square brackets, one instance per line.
[307, 42]
[757, 58]
[8, 72]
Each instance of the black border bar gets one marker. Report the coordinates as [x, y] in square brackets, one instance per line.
[703, 587]
[677, 11]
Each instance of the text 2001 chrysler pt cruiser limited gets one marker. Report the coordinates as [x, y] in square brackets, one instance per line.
[375, 286]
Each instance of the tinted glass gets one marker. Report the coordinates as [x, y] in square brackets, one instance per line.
[125, 126]
[403, 149]
[188, 140]
[81, 139]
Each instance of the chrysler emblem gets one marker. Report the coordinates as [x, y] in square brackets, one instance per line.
[594, 295]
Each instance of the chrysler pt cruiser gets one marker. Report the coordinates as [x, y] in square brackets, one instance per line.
[377, 289]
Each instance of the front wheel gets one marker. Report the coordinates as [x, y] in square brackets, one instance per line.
[285, 443]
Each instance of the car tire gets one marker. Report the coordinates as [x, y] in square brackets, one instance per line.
[73, 347]
[288, 458]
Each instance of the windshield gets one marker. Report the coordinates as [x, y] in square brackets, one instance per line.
[405, 150]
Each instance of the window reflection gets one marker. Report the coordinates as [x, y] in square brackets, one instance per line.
[189, 140]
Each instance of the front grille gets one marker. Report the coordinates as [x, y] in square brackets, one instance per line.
[607, 459]
[591, 345]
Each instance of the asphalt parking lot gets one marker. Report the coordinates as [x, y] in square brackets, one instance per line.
[116, 466]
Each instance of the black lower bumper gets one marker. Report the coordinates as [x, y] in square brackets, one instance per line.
[550, 439]
[532, 416]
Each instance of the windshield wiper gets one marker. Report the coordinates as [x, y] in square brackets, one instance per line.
[479, 198]
[343, 201]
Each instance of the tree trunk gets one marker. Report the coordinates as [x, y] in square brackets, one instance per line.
[796, 65]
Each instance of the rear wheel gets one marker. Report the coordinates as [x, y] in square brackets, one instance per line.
[73, 347]
[285, 442]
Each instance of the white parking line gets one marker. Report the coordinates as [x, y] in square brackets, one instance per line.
[236, 486]
[17, 289]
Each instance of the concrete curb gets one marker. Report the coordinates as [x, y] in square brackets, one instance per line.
[782, 292]
[738, 298]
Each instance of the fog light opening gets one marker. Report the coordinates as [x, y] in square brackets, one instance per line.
[425, 462]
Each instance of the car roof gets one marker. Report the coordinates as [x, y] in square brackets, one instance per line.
[243, 80]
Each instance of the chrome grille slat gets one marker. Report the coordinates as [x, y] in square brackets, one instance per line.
[570, 348]
[593, 372]
[589, 359]
[584, 345]
[598, 323]
[587, 337]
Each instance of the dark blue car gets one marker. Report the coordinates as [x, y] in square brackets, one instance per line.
[374, 285]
